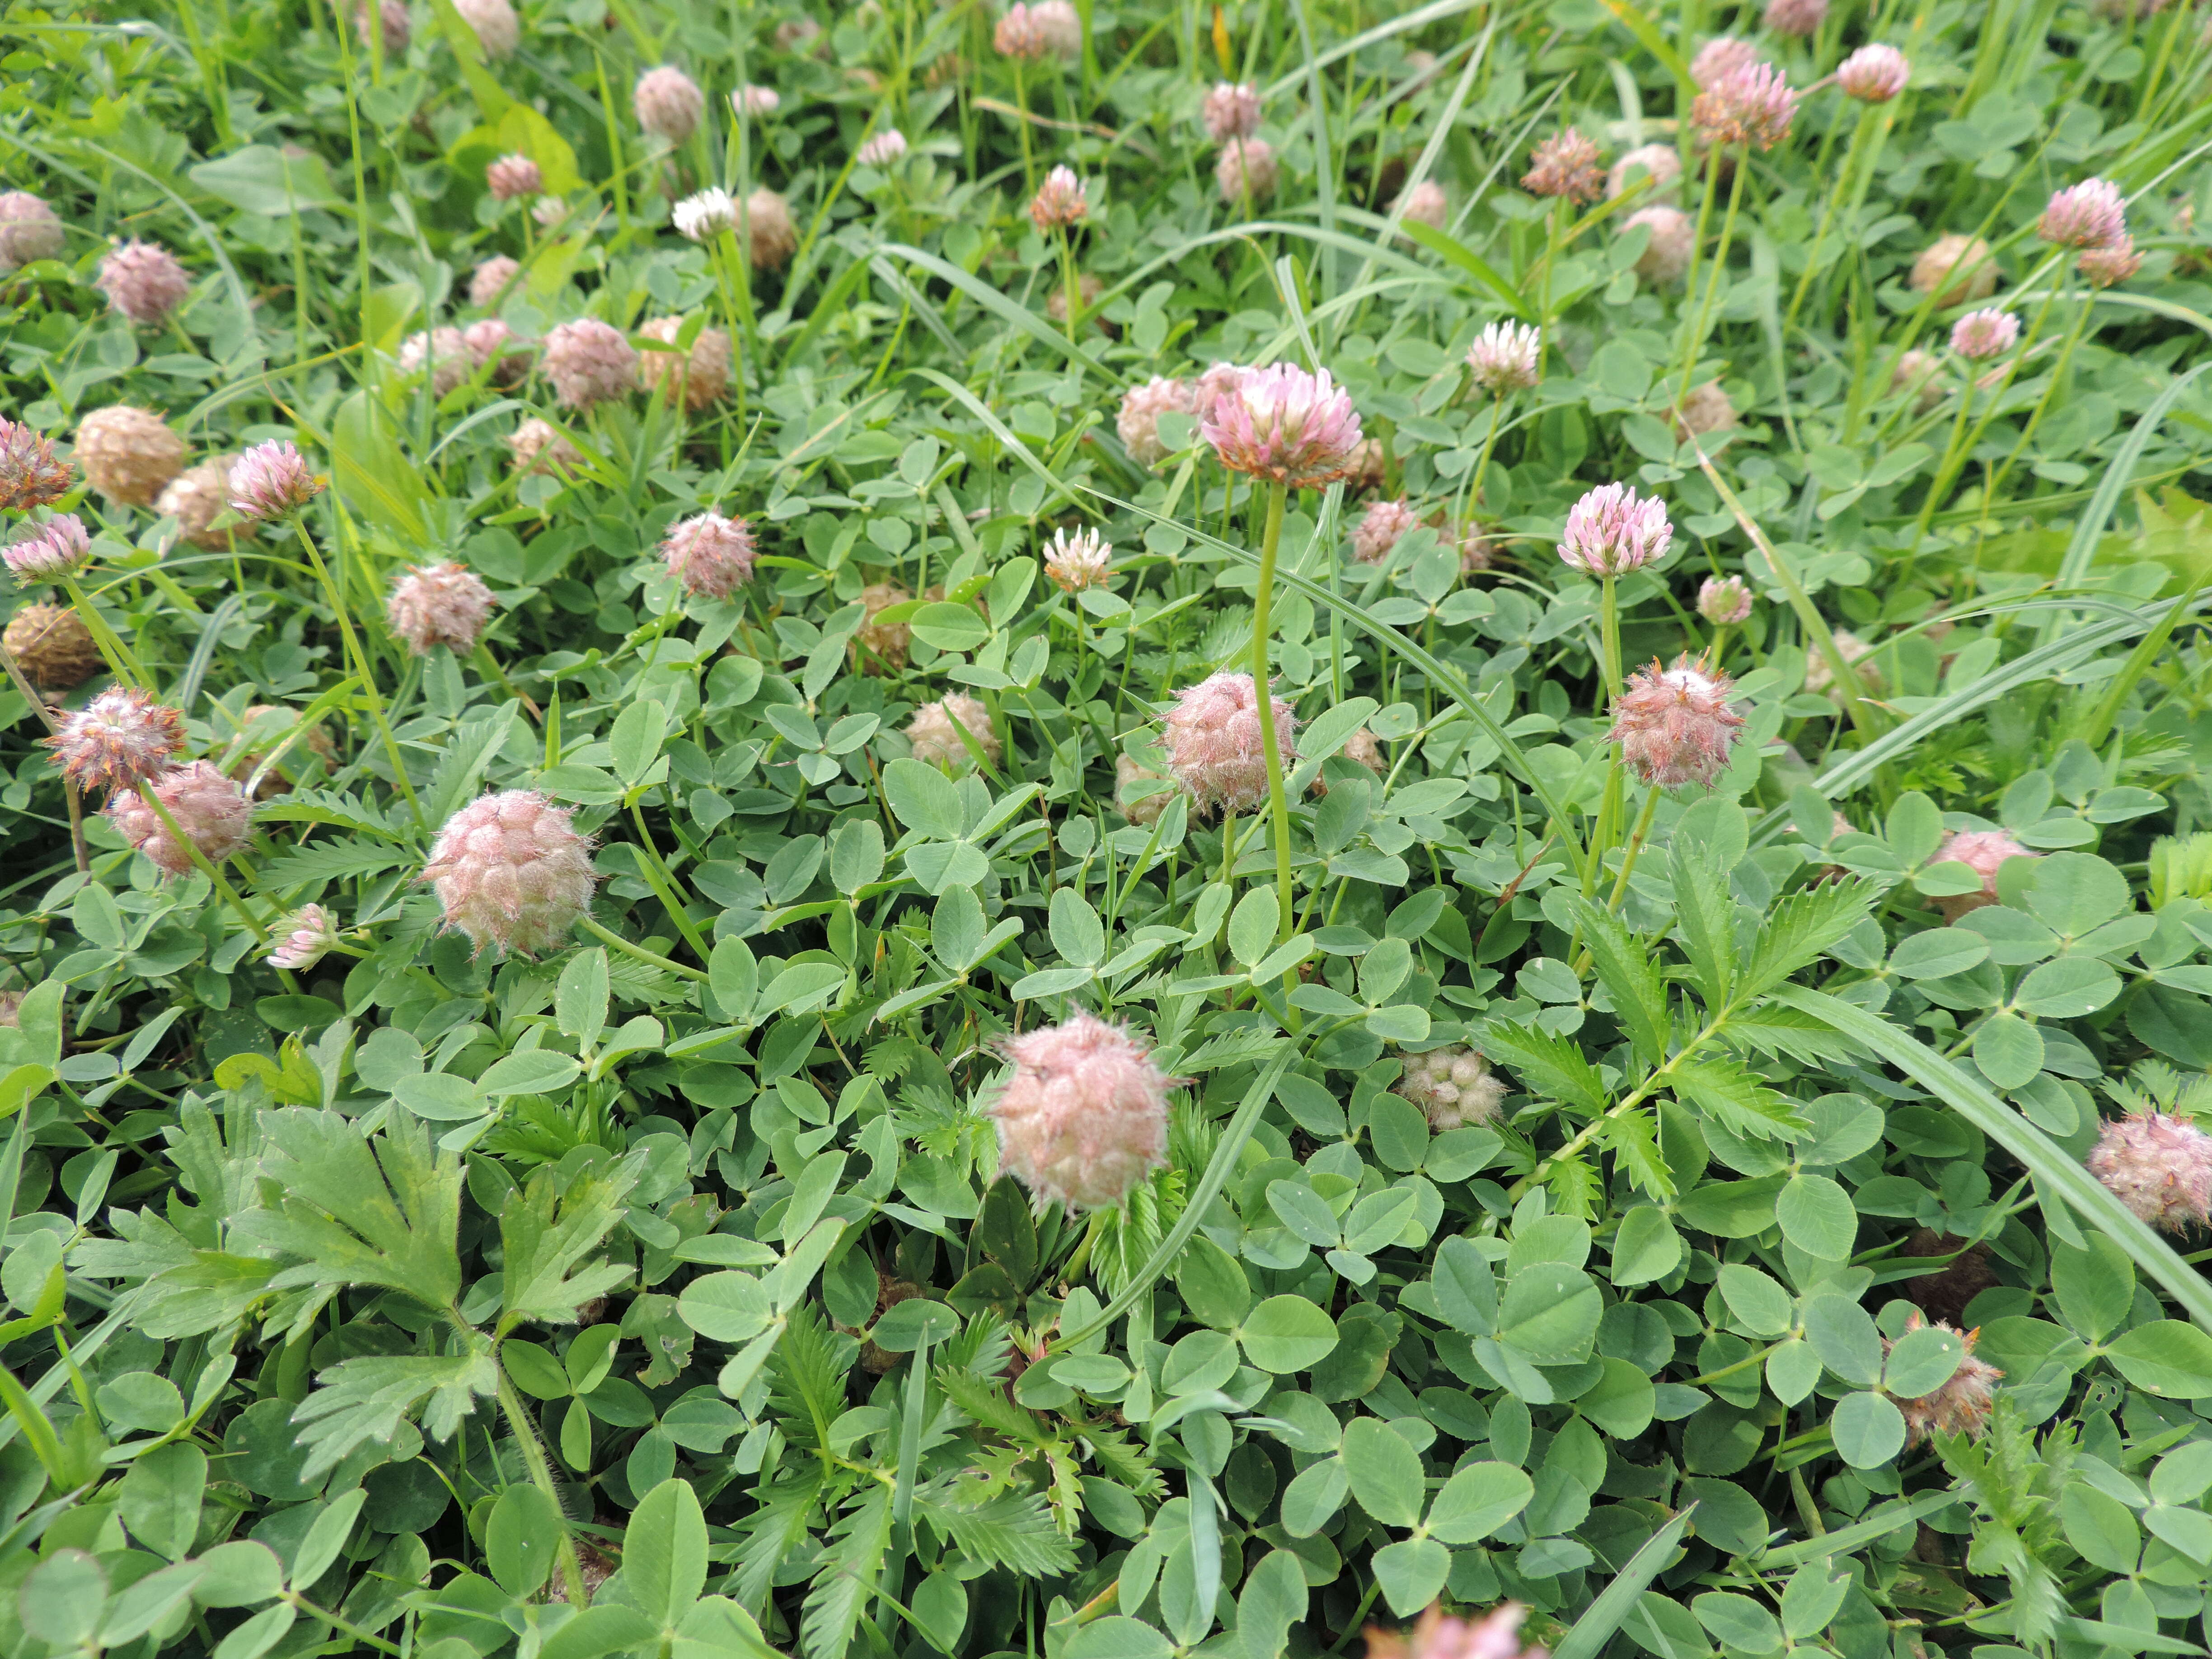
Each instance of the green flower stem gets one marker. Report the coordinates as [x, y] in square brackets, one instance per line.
[1279, 808]
[1482, 465]
[541, 1476]
[607, 936]
[368, 677]
[200, 858]
[122, 662]
[1697, 241]
[1697, 336]
[1636, 840]
[2043, 403]
[1845, 177]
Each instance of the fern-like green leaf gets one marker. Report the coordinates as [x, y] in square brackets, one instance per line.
[1770, 1028]
[850, 1567]
[1633, 1139]
[1549, 1064]
[985, 1403]
[1730, 1095]
[1013, 1531]
[1799, 929]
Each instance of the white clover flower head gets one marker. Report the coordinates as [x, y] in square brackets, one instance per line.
[707, 213]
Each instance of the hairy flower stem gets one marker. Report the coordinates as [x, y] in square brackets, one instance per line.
[1696, 337]
[607, 936]
[367, 676]
[1278, 809]
[1636, 840]
[1482, 464]
[541, 1476]
[121, 661]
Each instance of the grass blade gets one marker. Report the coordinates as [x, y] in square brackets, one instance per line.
[1612, 1609]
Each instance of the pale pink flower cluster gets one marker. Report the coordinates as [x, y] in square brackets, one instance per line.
[1215, 382]
[1214, 744]
[696, 377]
[143, 281]
[1285, 424]
[589, 362]
[308, 935]
[1085, 1116]
[46, 552]
[1439, 1635]
[540, 446]
[29, 229]
[1565, 165]
[199, 496]
[436, 604]
[492, 342]
[1138, 421]
[2159, 1166]
[127, 455]
[490, 279]
[1061, 26]
[882, 149]
[1799, 18]
[444, 352]
[210, 809]
[1075, 562]
[1060, 201]
[2102, 267]
[668, 103]
[272, 481]
[1612, 531]
[710, 554]
[1984, 334]
[1504, 358]
[2091, 214]
[1453, 1087]
[1248, 167]
[1874, 75]
[498, 30]
[120, 739]
[1425, 203]
[756, 100]
[1719, 59]
[1752, 106]
[1021, 34]
[936, 739]
[1380, 528]
[1961, 1404]
[1659, 163]
[510, 870]
[513, 177]
[1984, 852]
[1726, 600]
[1232, 110]
[29, 475]
[1666, 257]
[1675, 725]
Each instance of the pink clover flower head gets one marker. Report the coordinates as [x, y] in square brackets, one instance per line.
[1982, 334]
[308, 936]
[541, 447]
[1612, 531]
[2103, 267]
[698, 377]
[885, 148]
[491, 278]
[1874, 75]
[1138, 421]
[937, 740]
[1247, 168]
[1059, 202]
[1285, 424]
[436, 604]
[29, 475]
[708, 213]
[1213, 743]
[589, 362]
[498, 30]
[1675, 725]
[49, 551]
[513, 177]
[510, 870]
[1063, 26]
[669, 103]
[1231, 111]
[272, 481]
[1453, 1087]
[1754, 107]
[490, 340]
[1799, 18]
[1020, 35]
[444, 352]
[756, 100]
[1726, 601]
[1719, 59]
[210, 809]
[143, 281]
[2159, 1166]
[1666, 257]
[1426, 203]
[1084, 1118]
[1565, 164]
[1380, 528]
[1984, 852]
[120, 739]
[1439, 1635]
[2091, 214]
[1660, 163]
[29, 229]
[1504, 358]
[1960, 1404]
[712, 556]
[1215, 382]
[771, 238]
[1083, 560]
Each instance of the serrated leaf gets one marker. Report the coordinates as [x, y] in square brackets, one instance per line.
[983, 1399]
[1639, 996]
[1725, 1092]
[1704, 921]
[1548, 1064]
[850, 1564]
[1014, 1530]
[1772, 1030]
[1800, 927]
[365, 1399]
[543, 1238]
[1633, 1139]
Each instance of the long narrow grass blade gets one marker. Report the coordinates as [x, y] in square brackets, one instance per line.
[1000, 306]
[1612, 1609]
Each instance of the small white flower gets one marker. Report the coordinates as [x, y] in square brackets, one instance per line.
[709, 213]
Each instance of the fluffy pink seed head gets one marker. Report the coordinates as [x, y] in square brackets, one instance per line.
[937, 741]
[1231, 111]
[1080, 560]
[1063, 26]
[1666, 257]
[1874, 75]
[1726, 601]
[1565, 165]
[668, 103]
[2103, 267]
[1675, 725]
[1981, 334]
[699, 377]
[1754, 107]
[540, 446]
[756, 100]
[1020, 35]
[513, 177]
[2091, 214]
[511, 871]
[444, 352]
[29, 475]
[29, 229]
[1213, 743]
[1138, 421]
[1380, 528]
[1659, 163]
[127, 455]
[2159, 1166]
[49, 551]
[272, 481]
[1719, 59]
[712, 556]
[882, 149]
[1085, 1116]
[589, 362]
[490, 279]
[143, 281]
[118, 740]
[1248, 167]
[306, 937]
[1955, 269]
[1984, 852]
[1961, 1405]
[1059, 202]
[1285, 424]
[770, 236]
[210, 809]
[1426, 203]
[1612, 531]
[498, 30]
[490, 340]
[1504, 358]
[436, 604]
[1452, 1087]
[1800, 18]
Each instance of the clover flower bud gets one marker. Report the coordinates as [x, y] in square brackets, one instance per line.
[710, 554]
[143, 281]
[1075, 562]
[589, 362]
[882, 149]
[513, 177]
[668, 103]
[510, 870]
[756, 100]
[1426, 203]
[272, 481]
[1232, 110]
[1611, 532]
[1504, 358]
[1874, 75]
[1248, 167]
[1984, 334]
[436, 604]
[47, 552]
[2159, 1166]
[1085, 1116]
[1725, 601]
[211, 811]
[308, 936]
[1213, 743]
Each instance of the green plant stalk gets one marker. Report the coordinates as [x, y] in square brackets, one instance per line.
[1695, 338]
[737, 303]
[1482, 463]
[368, 677]
[1944, 471]
[541, 1476]
[2043, 403]
[608, 937]
[201, 860]
[2098, 722]
[1869, 115]
[666, 887]
[122, 661]
[1636, 840]
[1278, 810]
[1955, 455]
